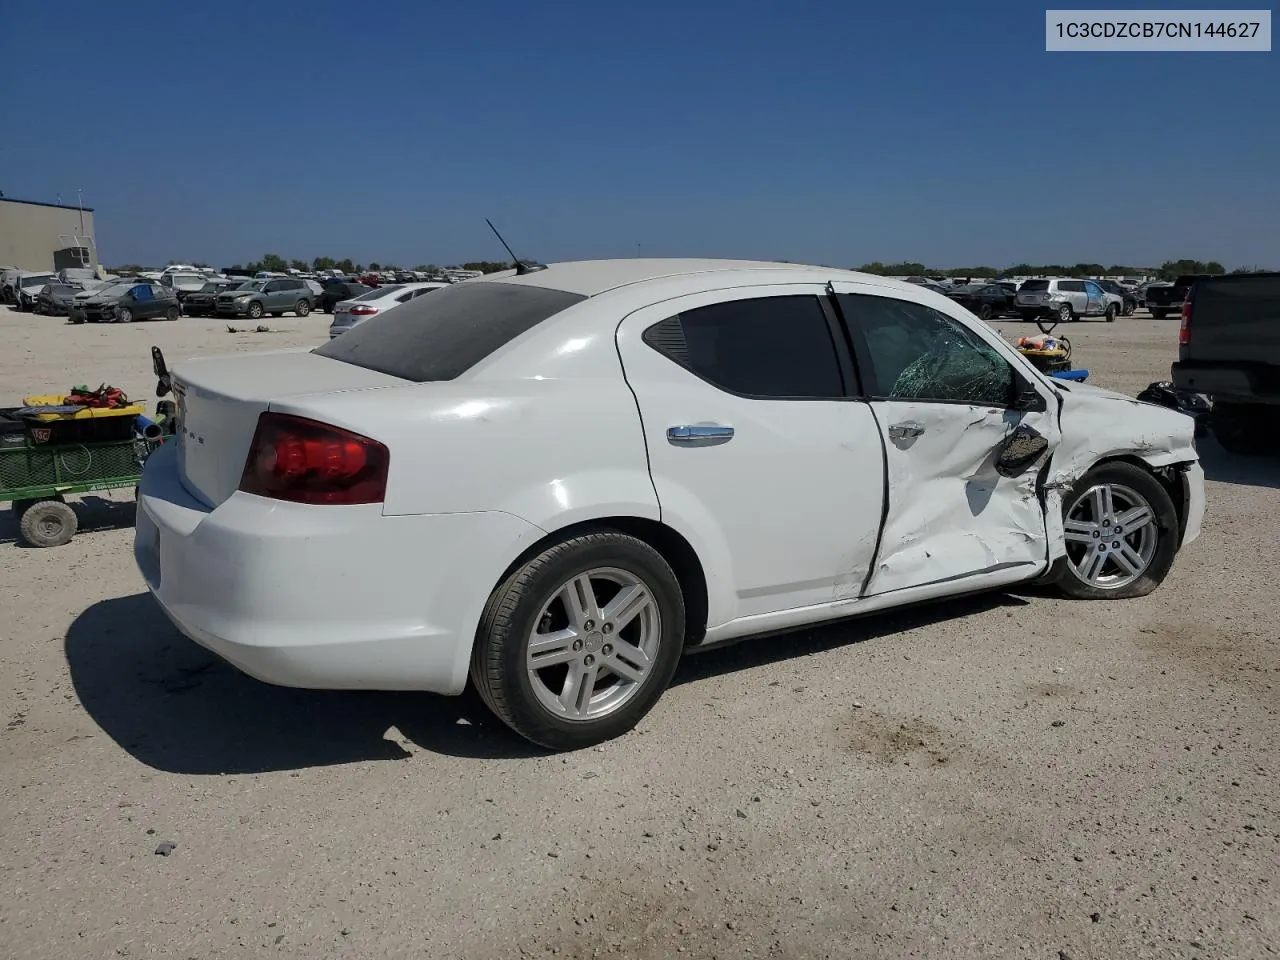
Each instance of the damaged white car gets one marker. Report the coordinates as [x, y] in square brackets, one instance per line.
[552, 482]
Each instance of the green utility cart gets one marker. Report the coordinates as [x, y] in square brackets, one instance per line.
[49, 450]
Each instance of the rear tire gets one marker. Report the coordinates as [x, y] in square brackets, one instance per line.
[1244, 429]
[49, 523]
[1129, 308]
[1130, 489]
[985, 311]
[302, 308]
[530, 601]
[1028, 317]
[1159, 314]
[1066, 314]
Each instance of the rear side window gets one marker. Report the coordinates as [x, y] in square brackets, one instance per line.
[1033, 286]
[442, 336]
[1071, 286]
[761, 347]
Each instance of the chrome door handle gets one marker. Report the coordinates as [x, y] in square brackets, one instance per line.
[905, 431]
[693, 435]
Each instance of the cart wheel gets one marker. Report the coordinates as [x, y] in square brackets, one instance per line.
[48, 523]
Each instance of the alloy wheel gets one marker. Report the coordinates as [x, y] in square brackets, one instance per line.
[593, 644]
[1111, 536]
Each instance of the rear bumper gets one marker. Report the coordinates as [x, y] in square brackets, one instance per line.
[322, 597]
[1234, 382]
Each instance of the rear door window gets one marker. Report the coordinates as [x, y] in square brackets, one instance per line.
[763, 347]
[442, 336]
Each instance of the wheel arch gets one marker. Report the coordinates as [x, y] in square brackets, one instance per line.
[669, 543]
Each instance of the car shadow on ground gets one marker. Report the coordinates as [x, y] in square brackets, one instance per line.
[92, 513]
[176, 707]
[1233, 468]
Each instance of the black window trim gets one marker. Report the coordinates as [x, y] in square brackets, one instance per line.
[844, 360]
[862, 355]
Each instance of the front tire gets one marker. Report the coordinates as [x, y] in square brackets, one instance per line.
[985, 312]
[578, 644]
[255, 311]
[1122, 533]
[1159, 314]
[124, 315]
[171, 313]
[1111, 313]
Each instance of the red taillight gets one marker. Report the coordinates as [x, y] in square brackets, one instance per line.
[304, 461]
[1184, 331]
[363, 311]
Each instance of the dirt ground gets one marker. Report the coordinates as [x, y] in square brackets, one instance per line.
[1008, 776]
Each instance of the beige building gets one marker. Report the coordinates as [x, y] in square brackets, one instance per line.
[45, 236]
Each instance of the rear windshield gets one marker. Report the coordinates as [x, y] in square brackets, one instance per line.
[1034, 285]
[442, 336]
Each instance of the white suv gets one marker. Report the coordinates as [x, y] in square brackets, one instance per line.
[1063, 301]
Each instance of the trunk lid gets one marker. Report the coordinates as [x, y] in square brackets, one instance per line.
[219, 400]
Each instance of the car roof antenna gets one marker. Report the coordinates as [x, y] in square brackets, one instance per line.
[522, 266]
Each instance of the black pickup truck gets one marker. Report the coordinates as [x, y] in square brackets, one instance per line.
[1229, 348]
[1162, 301]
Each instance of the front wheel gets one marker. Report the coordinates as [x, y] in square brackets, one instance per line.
[1121, 534]
[302, 308]
[1159, 314]
[1111, 313]
[171, 313]
[985, 311]
[1129, 308]
[124, 315]
[1028, 316]
[578, 644]
[255, 310]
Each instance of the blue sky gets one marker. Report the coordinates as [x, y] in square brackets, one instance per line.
[822, 132]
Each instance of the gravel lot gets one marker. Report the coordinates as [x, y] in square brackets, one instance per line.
[1008, 776]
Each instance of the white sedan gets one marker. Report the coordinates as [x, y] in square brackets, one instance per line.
[554, 482]
[349, 313]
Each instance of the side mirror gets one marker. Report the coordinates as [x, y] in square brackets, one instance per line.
[1020, 451]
